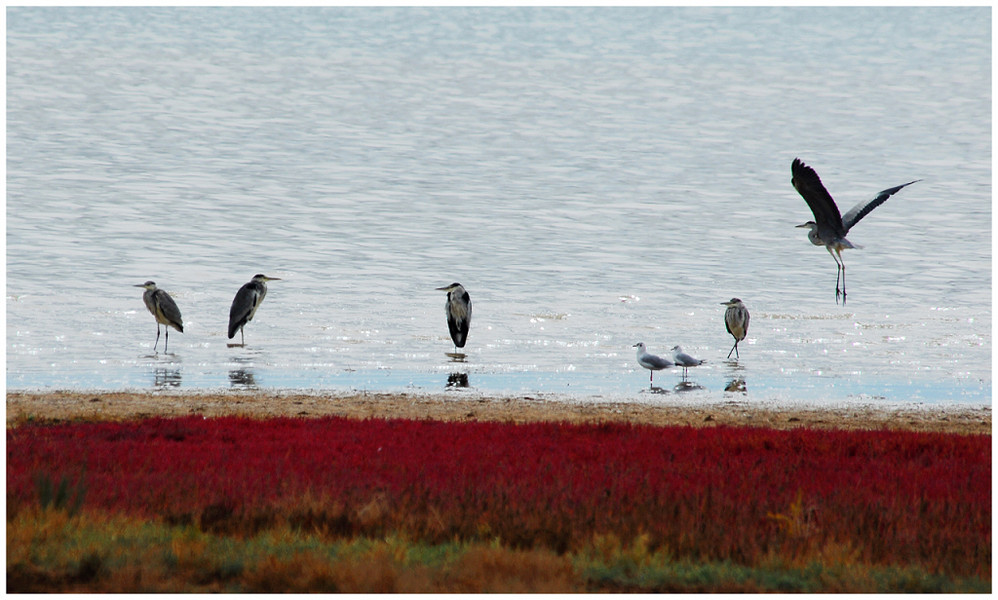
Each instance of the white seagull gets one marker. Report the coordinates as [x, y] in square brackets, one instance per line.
[650, 361]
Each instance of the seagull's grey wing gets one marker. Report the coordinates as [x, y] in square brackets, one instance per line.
[809, 186]
[655, 362]
[686, 360]
[863, 208]
[169, 309]
[242, 307]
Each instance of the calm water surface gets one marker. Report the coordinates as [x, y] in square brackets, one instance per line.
[594, 177]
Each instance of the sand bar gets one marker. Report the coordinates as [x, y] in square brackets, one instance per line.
[26, 407]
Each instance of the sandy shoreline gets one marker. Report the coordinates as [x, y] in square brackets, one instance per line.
[25, 407]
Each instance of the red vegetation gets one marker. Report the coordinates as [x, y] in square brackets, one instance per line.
[708, 493]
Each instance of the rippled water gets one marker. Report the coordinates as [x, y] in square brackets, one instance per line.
[594, 177]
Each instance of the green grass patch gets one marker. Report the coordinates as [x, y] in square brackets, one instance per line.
[51, 550]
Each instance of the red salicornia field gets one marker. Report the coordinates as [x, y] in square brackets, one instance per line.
[742, 495]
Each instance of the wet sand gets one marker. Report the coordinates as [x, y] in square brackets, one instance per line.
[26, 407]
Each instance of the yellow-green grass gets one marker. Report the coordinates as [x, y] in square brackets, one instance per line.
[55, 550]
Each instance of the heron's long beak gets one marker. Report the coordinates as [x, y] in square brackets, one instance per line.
[273, 279]
[803, 225]
[446, 288]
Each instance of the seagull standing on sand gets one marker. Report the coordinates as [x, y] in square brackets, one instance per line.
[651, 362]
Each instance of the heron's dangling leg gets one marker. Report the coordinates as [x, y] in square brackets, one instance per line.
[842, 265]
[843, 280]
[734, 349]
[157, 338]
[839, 272]
[166, 346]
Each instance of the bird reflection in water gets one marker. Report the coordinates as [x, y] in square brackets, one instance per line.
[242, 378]
[686, 386]
[457, 380]
[167, 378]
[736, 385]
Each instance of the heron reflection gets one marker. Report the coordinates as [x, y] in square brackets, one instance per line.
[242, 378]
[457, 380]
[163, 377]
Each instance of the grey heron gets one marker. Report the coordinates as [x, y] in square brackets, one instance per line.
[458, 309]
[684, 360]
[736, 320]
[164, 309]
[650, 361]
[247, 300]
[829, 228]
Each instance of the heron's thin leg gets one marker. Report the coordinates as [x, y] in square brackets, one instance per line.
[843, 264]
[166, 346]
[734, 349]
[242, 336]
[838, 270]
[157, 338]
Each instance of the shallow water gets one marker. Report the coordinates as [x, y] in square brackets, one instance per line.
[594, 177]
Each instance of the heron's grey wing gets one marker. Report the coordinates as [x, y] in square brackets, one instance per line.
[809, 186]
[170, 310]
[735, 316]
[242, 307]
[863, 208]
[459, 321]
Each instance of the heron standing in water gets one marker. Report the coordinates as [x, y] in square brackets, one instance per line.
[651, 362]
[736, 320]
[829, 228]
[684, 360]
[244, 305]
[458, 309]
[162, 306]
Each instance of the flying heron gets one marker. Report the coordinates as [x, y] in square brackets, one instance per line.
[458, 309]
[684, 360]
[829, 228]
[651, 362]
[736, 320]
[162, 306]
[244, 305]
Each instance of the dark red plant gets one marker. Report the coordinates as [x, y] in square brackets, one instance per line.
[718, 493]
